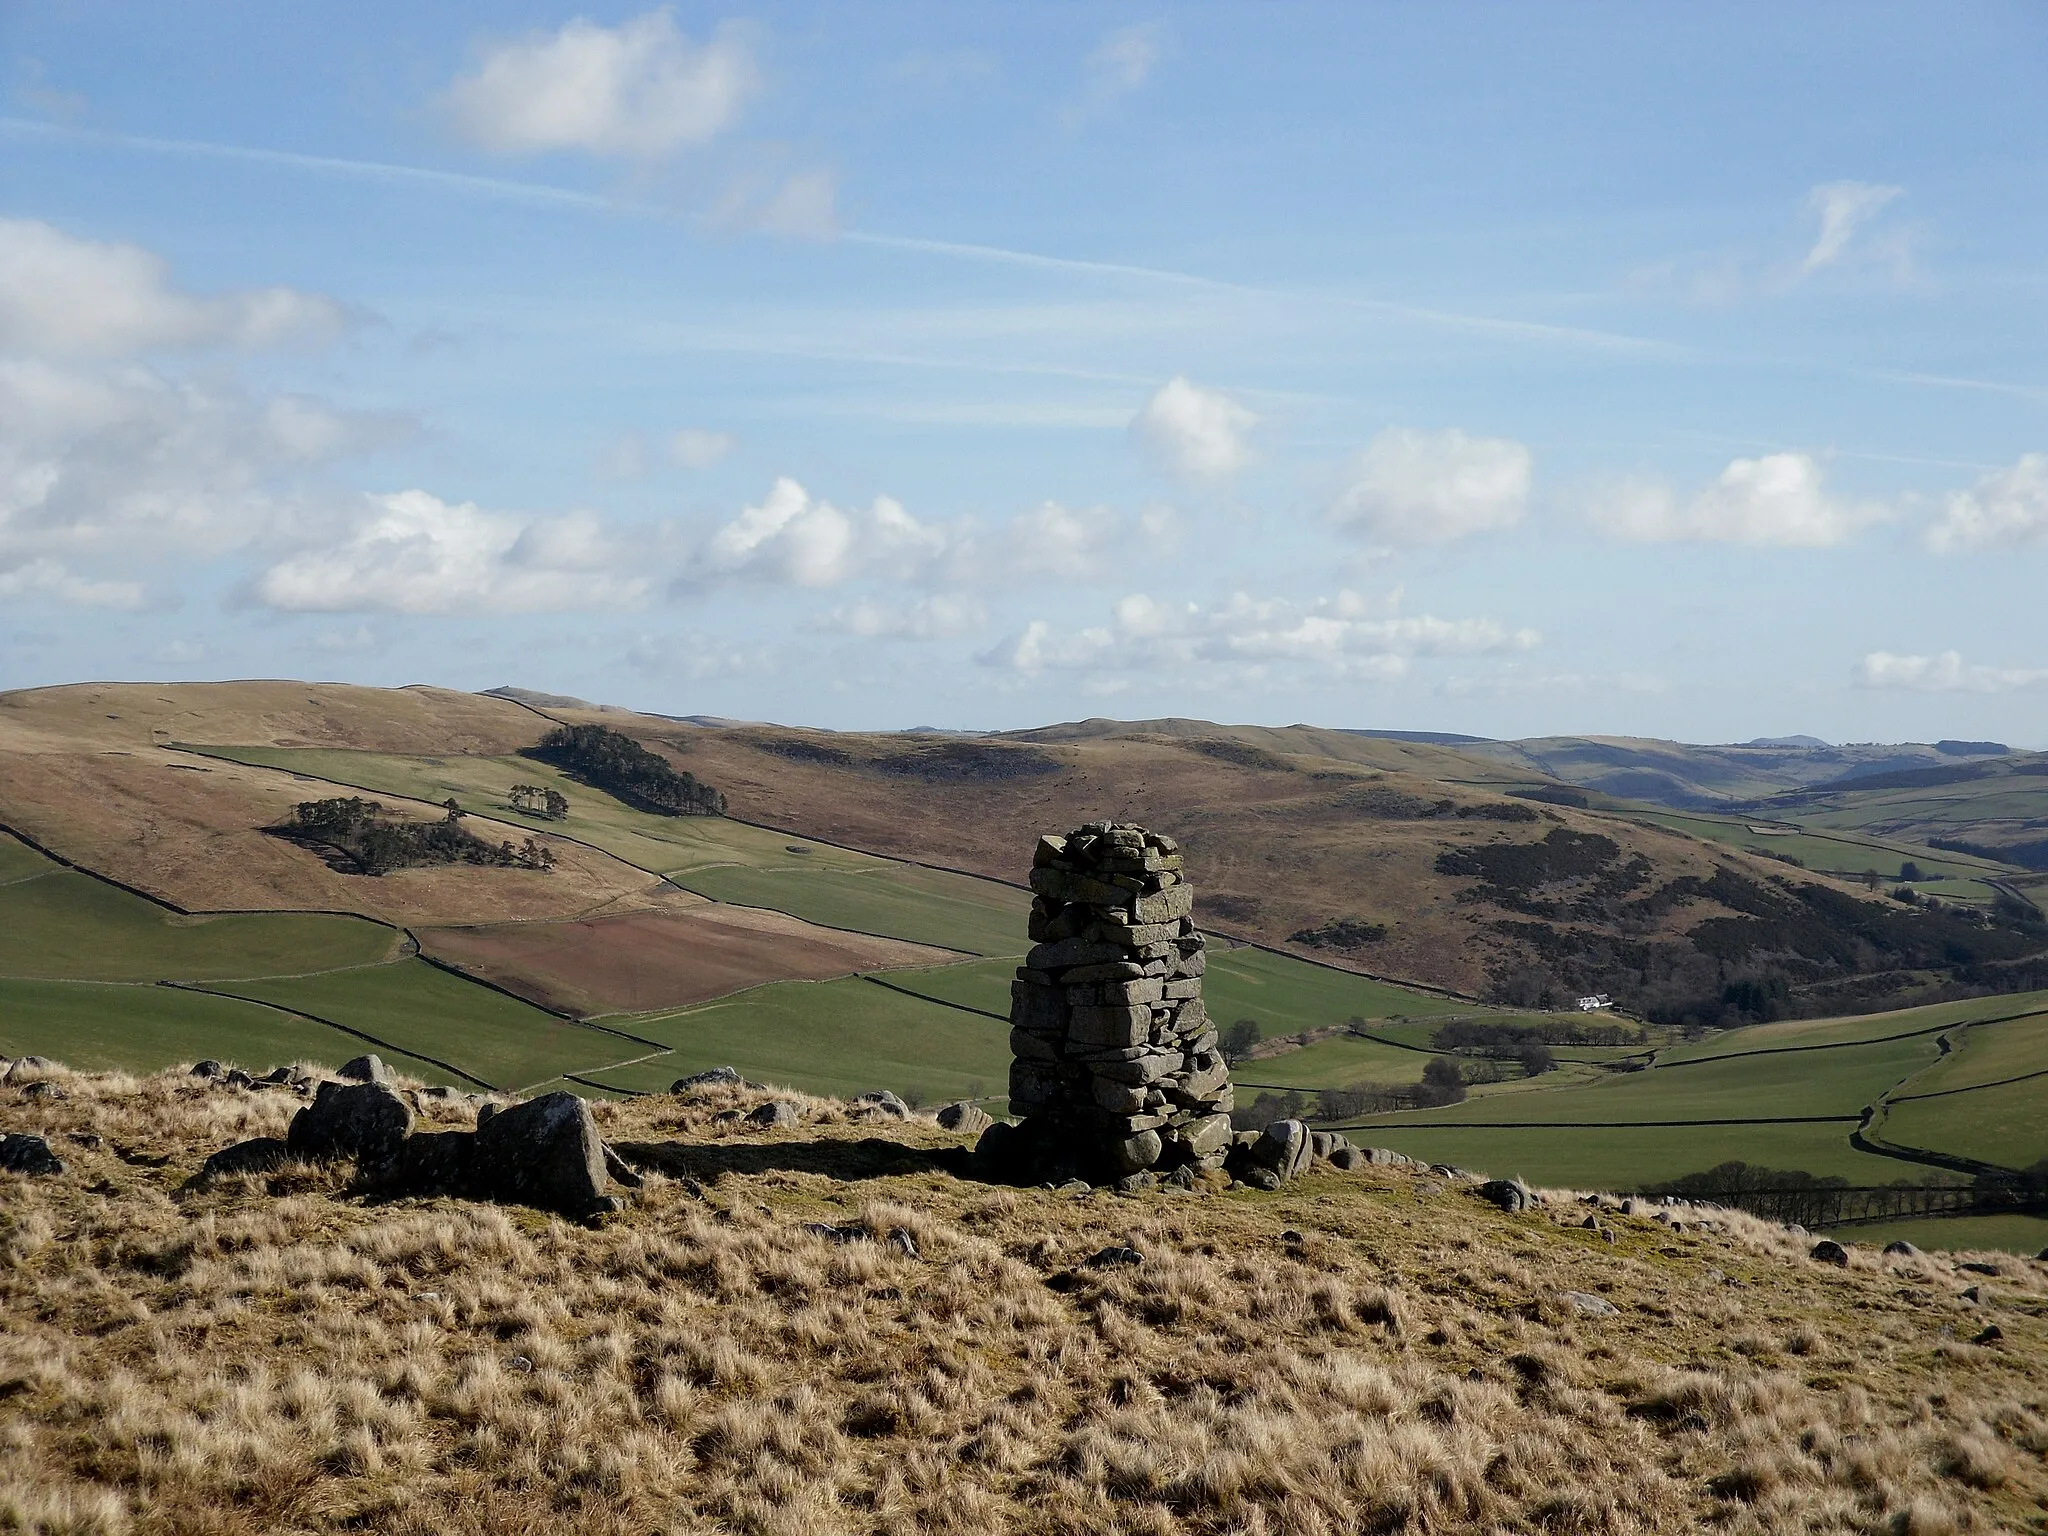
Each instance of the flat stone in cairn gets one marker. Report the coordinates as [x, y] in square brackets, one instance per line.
[1116, 1068]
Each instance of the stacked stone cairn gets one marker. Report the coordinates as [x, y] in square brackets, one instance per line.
[1117, 1071]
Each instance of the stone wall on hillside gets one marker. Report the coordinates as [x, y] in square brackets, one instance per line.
[1116, 1068]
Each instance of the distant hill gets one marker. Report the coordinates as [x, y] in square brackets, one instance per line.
[1995, 808]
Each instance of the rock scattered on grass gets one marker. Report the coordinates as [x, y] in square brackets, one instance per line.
[965, 1118]
[261, 1155]
[1828, 1251]
[30, 1155]
[366, 1121]
[1586, 1303]
[365, 1069]
[209, 1068]
[717, 1077]
[1511, 1195]
[885, 1101]
[1899, 1248]
[775, 1114]
[1115, 1256]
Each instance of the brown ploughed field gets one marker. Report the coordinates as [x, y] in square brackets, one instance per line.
[647, 960]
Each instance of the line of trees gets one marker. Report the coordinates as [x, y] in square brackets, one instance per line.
[1819, 1201]
[619, 765]
[378, 843]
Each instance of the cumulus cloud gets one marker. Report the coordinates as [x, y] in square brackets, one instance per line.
[939, 617]
[49, 579]
[1196, 433]
[65, 297]
[641, 89]
[1060, 542]
[1348, 635]
[1842, 208]
[794, 539]
[411, 552]
[2007, 510]
[695, 448]
[1775, 500]
[121, 465]
[1944, 672]
[1118, 65]
[1410, 488]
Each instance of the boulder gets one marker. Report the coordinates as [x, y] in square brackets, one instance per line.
[1136, 1153]
[775, 1114]
[261, 1155]
[1258, 1176]
[967, 1119]
[208, 1068]
[886, 1102]
[1116, 1256]
[432, 1163]
[1589, 1305]
[545, 1153]
[1828, 1251]
[1348, 1158]
[1511, 1195]
[365, 1069]
[366, 1121]
[1284, 1147]
[1900, 1248]
[30, 1155]
[26, 1067]
[717, 1077]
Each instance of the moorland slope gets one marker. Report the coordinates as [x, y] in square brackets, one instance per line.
[821, 1329]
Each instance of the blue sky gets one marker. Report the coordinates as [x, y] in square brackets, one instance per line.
[1506, 369]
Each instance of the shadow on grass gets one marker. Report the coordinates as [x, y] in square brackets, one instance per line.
[869, 1158]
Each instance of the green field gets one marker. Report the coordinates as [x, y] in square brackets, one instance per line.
[1631, 1157]
[896, 900]
[2014, 1234]
[1951, 876]
[63, 925]
[714, 856]
[427, 1012]
[100, 1026]
[1595, 1134]
[830, 1037]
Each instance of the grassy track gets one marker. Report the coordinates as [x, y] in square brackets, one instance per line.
[61, 924]
[830, 1037]
[103, 1027]
[428, 1012]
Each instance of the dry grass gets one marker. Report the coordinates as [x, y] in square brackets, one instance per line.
[280, 1355]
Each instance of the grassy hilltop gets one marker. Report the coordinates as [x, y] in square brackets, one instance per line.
[1376, 1351]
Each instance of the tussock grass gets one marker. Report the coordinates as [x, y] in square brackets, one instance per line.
[1373, 1352]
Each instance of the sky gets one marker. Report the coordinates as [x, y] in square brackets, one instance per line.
[1505, 369]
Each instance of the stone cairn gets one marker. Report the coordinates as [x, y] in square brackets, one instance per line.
[1116, 1070]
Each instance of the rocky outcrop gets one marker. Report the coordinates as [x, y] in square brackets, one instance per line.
[365, 1121]
[365, 1069]
[1115, 1068]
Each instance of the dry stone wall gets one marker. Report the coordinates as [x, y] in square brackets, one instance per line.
[1116, 1068]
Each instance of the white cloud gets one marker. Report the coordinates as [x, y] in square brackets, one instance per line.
[695, 448]
[803, 205]
[411, 552]
[1347, 634]
[1944, 672]
[1118, 65]
[122, 465]
[65, 297]
[48, 578]
[2002, 511]
[791, 538]
[1842, 207]
[938, 617]
[640, 89]
[1196, 433]
[1775, 500]
[1412, 487]
[1059, 542]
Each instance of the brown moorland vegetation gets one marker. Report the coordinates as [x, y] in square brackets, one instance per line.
[1377, 1351]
